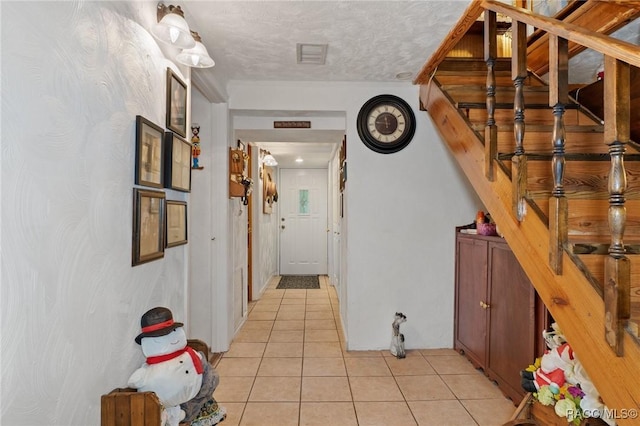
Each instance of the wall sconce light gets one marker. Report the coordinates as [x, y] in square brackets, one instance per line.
[269, 160]
[172, 28]
[197, 56]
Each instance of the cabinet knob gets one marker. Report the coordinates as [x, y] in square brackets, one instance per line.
[484, 305]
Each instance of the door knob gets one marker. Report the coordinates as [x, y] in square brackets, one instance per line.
[282, 227]
[484, 305]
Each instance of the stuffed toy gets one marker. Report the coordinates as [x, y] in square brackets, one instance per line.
[182, 378]
[554, 365]
[556, 362]
[591, 402]
[559, 366]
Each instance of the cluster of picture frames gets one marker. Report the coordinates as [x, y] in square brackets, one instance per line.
[163, 160]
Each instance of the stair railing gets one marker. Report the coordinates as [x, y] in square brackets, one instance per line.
[490, 56]
[558, 98]
[619, 55]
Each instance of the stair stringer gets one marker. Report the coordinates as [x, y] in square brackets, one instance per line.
[571, 299]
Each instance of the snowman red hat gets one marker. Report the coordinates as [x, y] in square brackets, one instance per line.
[157, 322]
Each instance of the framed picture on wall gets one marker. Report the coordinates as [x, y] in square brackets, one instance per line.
[178, 154]
[149, 153]
[176, 104]
[148, 225]
[176, 223]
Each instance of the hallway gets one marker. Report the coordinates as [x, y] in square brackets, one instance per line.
[287, 366]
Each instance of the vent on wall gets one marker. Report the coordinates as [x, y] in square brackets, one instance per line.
[314, 54]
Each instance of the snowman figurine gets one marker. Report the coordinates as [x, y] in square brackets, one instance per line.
[172, 369]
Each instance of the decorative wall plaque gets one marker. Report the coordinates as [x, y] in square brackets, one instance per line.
[291, 124]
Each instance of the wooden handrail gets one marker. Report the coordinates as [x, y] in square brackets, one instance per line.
[622, 50]
[469, 16]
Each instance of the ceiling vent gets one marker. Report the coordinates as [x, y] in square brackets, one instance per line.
[314, 54]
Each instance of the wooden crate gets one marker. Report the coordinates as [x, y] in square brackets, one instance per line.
[127, 407]
[530, 412]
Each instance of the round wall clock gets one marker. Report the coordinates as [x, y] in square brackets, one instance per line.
[386, 123]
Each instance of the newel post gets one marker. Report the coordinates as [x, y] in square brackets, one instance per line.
[558, 98]
[519, 160]
[617, 271]
[490, 55]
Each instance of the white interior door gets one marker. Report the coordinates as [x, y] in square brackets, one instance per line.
[303, 221]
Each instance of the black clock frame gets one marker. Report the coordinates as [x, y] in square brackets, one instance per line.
[386, 147]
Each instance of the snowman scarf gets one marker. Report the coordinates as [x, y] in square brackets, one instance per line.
[194, 357]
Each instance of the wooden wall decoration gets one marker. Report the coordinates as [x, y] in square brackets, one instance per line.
[269, 190]
[343, 163]
[240, 184]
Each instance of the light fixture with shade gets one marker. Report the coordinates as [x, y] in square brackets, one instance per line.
[269, 160]
[197, 56]
[172, 28]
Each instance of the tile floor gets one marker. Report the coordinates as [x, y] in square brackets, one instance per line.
[288, 366]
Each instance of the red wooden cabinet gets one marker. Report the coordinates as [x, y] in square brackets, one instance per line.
[498, 316]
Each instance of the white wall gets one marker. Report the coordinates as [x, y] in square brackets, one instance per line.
[209, 289]
[222, 212]
[264, 233]
[401, 210]
[74, 77]
[200, 224]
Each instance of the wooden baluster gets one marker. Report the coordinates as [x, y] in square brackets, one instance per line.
[558, 98]
[519, 160]
[617, 271]
[490, 55]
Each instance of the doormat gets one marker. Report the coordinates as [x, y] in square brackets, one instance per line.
[298, 281]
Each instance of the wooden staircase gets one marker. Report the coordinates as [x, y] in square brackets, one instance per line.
[562, 184]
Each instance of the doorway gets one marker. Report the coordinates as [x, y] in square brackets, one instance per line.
[303, 221]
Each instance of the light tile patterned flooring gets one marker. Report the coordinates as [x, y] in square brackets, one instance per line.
[288, 366]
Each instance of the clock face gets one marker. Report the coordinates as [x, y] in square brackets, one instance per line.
[386, 124]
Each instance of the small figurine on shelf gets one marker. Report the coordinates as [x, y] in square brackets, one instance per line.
[195, 140]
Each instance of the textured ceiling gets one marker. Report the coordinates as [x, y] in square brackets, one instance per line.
[368, 41]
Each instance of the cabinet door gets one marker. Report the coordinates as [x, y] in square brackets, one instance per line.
[471, 289]
[511, 321]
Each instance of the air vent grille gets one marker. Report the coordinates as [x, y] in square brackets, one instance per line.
[314, 54]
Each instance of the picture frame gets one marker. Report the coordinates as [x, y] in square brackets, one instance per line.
[176, 227]
[149, 168]
[176, 104]
[178, 157]
[148, 225]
